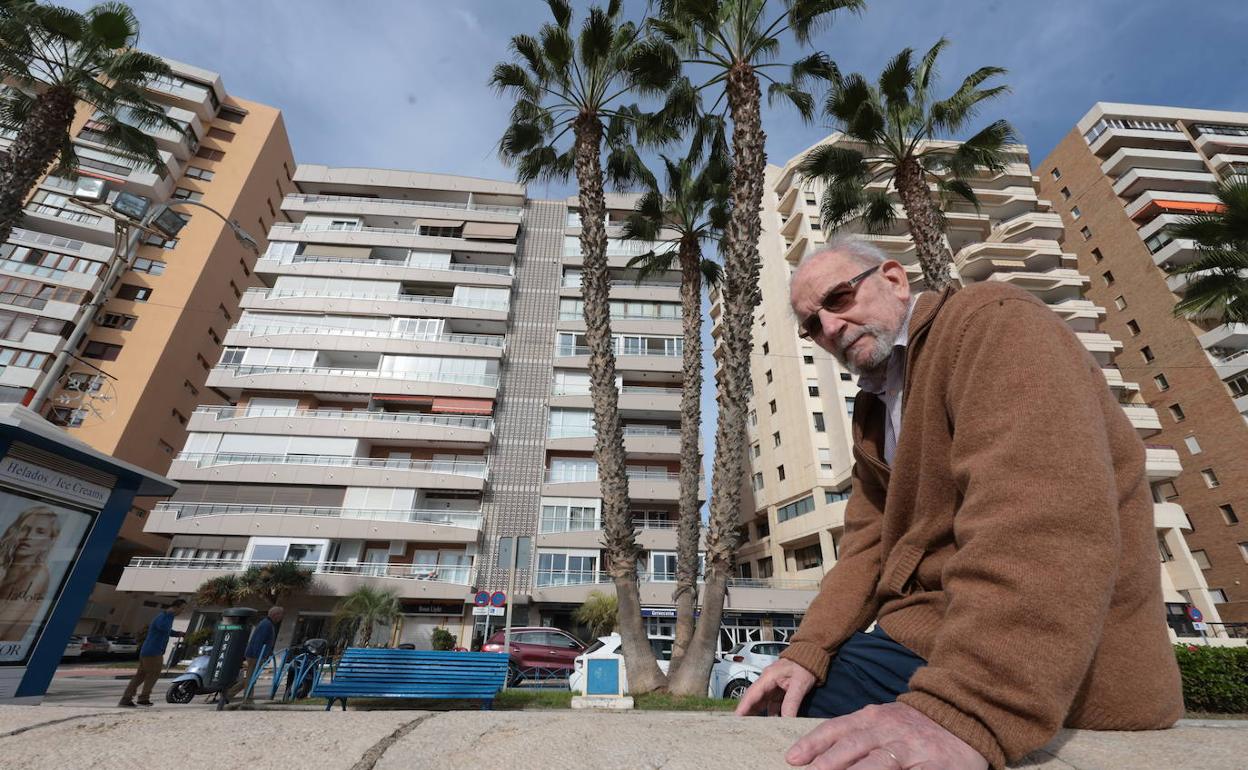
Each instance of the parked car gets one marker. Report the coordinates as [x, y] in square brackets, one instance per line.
[609, 647]
[122, 645]
[537, 650]
[95, 646]
[74, 648]
[741, 666]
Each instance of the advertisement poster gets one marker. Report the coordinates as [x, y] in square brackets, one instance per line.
[39, 541]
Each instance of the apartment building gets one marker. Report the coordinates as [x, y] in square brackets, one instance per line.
[408, 407]
[799, 450]
[137, 375]
[1118, 179]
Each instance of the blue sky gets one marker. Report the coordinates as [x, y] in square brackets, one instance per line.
[402, 83]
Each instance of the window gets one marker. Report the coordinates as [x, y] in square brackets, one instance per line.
[102, 351]
[1120, 302]
[766, 350]
[1228, 514]
[819, 425]
[763, 528]
[212, 333]
[1193, 445]
[1097, 255]
[1218, 595]
[1133, 327]
[189, 387]
[846, 376]
[231, 115]
[1202, 559]
[149, 266]
[772, 406]
[1243, 550]
[194, 172]
[758, 481]
[1164, 492]
[849, 407]
[155, 239]
[117, 321]
[435, 231]
[136, 293]
[780, 472]
[1056, 174]
[1065, 193]
[830, 496]
[1075, 213]
[183, 194]
[1085, 232]
[1108, 277]
[66, 417]
[753, 417]
[767, 374]
[207, 153]
[181, 418]
[812, 388]
[1176, 412]
[756, 450]
[776, 437]
[1238, 386]
[1146, 353]
[808, 359]
[221, 133]
[795, 509]
[1211, 478]
[808, 557]
[1161, 382]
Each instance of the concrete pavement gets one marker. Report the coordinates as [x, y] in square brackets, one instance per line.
[37, 737]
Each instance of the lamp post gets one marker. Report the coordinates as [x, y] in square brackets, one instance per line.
[133, 218]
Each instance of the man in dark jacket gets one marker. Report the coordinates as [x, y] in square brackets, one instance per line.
[262, 640]
[151, 654]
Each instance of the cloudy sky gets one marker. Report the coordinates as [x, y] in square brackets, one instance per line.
[402, 83]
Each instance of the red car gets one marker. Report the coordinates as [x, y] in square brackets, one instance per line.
[537, 652]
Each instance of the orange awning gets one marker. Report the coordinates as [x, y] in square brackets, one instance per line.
[1184, 207]
[464, 405]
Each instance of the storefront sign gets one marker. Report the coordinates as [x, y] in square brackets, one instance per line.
[49, 482]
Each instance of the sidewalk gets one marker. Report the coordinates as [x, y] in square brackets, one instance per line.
[52, 737]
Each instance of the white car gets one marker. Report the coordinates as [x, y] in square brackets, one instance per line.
[609, 647]
[74, 648]
[122, 645]
[741, 666]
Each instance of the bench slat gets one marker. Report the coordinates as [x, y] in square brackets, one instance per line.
[382, 673]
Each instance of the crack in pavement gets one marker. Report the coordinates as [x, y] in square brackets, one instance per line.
[370, 758]
[51, 722]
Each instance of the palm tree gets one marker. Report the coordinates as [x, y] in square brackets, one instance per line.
[221, 591]
[565, 83]
[693, 209]
[55, 57]
[366, 607]
[273, 582]
[737, 41]
[898, 126]
[1219, 289]
[598, 613]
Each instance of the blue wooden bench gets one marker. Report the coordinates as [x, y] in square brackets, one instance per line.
[364, 672]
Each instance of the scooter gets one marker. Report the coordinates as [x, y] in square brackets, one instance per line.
[190, 683]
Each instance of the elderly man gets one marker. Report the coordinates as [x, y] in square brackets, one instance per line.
[260, 645]
[1000, 532]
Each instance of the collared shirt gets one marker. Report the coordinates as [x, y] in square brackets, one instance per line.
[158, 633]
[888, 384]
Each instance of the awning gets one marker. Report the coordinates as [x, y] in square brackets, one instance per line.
[491, 231]
[422, 400]
[1186, 207]
[439, 223]
[464, 405]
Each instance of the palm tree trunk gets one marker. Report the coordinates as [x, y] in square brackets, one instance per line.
[926, 228]
[32, 153]
[617, 519]
[368, 631]
[689, 517]
[741, 296]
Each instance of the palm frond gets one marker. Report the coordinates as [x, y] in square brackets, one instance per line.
[793, 94]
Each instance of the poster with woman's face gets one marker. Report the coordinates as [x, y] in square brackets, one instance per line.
[38, 542]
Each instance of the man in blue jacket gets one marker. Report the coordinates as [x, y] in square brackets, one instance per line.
[151, 654]
[261, 643]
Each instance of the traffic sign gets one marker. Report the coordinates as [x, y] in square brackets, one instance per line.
[1194, 614]
[494, 611]
[482, 598]
[499, 599]
[1200, 626]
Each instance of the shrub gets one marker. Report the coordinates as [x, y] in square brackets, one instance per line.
[1215, 679]
[441, 639]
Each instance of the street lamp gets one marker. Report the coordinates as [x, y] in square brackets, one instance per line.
[133, 217]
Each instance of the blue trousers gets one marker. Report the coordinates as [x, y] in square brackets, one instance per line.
[867, 669]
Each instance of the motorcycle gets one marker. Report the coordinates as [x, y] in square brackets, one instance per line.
[190, 683]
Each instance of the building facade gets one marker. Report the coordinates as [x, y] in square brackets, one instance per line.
[799, 450]
[135, 377]
[1118, 179]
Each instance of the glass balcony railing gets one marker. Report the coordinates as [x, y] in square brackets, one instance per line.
[463, 519]
[439, 420]
[421, 264]
[483, 380]
[436, 573]
[579, 475]
[482, 340]
[564, 351]
[463, 206]
[451, 467]
[432, 299]
[629, 430]
[556, 524]
[637, 390]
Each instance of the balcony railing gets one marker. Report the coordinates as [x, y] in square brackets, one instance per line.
[629, 430]
[636, 390]
[484, 380]
[591, 474]
[452, 467]
[576, 284]
[480, 304]
[464, 206]
[463, 519]
[414, 262]
[572, 315]
[555, 524]
[564, 351]
[553, 577]
[436, 573]
[800, 585]
[440, 420]
[483, 340]
[64, 213]
[317, 227]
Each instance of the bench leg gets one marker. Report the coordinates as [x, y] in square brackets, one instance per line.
[344, 704]
[487, 705]
[329, 703]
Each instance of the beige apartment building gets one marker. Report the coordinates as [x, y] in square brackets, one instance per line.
[799, 450]
[136, 376]
[1122, 175]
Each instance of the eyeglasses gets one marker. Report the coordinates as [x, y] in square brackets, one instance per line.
[838, 299]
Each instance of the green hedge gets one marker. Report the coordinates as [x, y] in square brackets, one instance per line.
[1215, 679]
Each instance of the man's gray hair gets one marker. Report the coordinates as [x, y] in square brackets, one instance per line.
[862, 252]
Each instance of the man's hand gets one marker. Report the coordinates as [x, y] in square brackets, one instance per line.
[779, 691]
[889, 737]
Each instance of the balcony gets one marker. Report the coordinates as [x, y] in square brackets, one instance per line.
[441, 526]
[449, 307]
[1151, 204]
[235, 378]
[430, 429]
[365, 236]
[1081, 315]
[643, 486]
[633, 360]
[639, 441]
[977, 261]
[746, 594]
[1229, 365]
[1139, 180]
[639, 400]
[335, 470]
[1231, 337]
[410, 581]
[313, 337]
[188, 95]
[1130, 158]
[1050, 287]
[560, 532]
[68, 222]
[1212, 139]
[1143, 418]
[385, 269]
[1109, 135]
[1161, 462]
[1102, 346]
[1180, 251]
[397, 207]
